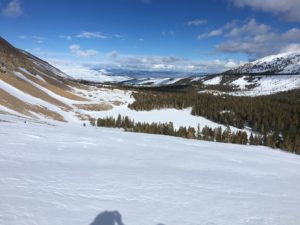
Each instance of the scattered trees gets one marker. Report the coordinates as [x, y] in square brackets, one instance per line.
[207, 133]
[276, 117]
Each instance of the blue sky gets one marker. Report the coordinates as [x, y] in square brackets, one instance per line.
[182, 35]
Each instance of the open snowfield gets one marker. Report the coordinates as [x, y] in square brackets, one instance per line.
[178, 117]
[67, 174]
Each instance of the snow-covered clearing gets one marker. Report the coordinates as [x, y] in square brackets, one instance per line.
[214, 81]
[241, 82]
[177, 117]
[67, 174]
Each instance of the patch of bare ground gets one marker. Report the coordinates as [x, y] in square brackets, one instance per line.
[17, 105]
[84, 117]
[94, 107]
[55, 86]
[26, 87]
[77, 85]
[117, 103]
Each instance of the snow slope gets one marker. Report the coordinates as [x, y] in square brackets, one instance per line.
[213, 81]
[283, 63]
[73, 173]
[255, 85]
[266, 85]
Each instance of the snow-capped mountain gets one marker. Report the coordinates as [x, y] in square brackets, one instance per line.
[283, 63]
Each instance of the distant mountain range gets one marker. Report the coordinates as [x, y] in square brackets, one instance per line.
[274, 65]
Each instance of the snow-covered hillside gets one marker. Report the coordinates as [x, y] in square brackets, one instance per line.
[266, 85]
[32, 88]
[254, 85]
[73, 173]
[283, 63]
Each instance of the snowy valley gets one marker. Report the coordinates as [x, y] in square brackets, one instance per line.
[56, 168]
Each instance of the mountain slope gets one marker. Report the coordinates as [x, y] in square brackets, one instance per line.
[31, 87]
[249, 85]
[265, 76]
[283, 63]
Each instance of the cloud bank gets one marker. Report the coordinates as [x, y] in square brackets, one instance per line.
[288, 9]
[76, 50]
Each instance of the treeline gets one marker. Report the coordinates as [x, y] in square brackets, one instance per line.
[206, 133]
[276, 117]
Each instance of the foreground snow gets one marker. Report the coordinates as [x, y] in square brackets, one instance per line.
[67, 174]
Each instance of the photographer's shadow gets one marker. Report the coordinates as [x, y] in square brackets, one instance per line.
[108, 218]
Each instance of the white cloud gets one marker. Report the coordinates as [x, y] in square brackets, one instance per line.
[13, 9]
[90, 35]
[219, 65]
[35, 38]
[219, 31]
[291, 48]
[168, 33]
[289, 9]
[171, 64]
[115, 60]
[75, 49]
[66, 37]
[257, 39]
[22, 37]
[213, 33]
[292, 34]
[250, 28]
[113, 54]
[196, 22]
[119, 36]
[141, 40]
[39, 39]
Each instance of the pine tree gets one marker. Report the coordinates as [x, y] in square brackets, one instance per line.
[226, 137]
[251, 139]
[198, 134]
[191, 133]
